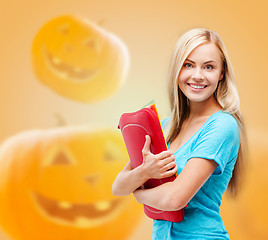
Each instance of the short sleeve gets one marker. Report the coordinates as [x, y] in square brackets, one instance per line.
[218, 141]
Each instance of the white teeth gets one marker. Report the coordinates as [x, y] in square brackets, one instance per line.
[102, 206]
[197, 87]
[82, 222]
[56, 60]
[64, 205]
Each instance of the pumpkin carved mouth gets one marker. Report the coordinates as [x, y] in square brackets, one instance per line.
[67, 71]
[80, 215]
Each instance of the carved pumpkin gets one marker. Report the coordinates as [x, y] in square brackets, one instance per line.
[56, 184]
[245, 217]
[78, 59]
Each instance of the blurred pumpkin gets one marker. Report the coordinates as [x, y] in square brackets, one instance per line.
[56, 184]
[78, 59]
[245, 216]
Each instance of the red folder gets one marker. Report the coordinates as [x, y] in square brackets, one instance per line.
[134, 126]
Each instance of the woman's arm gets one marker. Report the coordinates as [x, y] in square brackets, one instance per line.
[154, 166]
[176, 195]
[128, 180]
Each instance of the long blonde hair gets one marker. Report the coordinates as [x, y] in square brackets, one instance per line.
[226, 93]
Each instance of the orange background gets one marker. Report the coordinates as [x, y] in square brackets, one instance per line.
[150, 30]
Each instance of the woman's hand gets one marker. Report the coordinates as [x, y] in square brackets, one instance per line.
[157, 165]
[154, 166]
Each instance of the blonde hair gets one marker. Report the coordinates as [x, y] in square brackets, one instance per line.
[226, 93]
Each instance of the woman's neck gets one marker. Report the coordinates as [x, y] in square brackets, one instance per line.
[203, 109]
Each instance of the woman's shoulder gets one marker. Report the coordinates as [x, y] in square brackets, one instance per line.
[223, 121]
[225, 118]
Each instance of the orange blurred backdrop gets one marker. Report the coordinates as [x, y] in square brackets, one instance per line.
[150, 30]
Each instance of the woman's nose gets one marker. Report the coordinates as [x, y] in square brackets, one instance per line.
[197, 74]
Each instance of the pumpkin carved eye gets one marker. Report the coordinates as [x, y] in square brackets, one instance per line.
[112, 152]
[64, 29]
[58, 156]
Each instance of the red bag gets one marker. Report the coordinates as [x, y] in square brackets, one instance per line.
[134, 127]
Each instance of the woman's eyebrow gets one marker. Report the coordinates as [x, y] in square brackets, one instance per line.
[189, 60]
[209, 61]
[194, 62]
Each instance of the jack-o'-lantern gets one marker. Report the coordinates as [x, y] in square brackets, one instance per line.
[245, 216]
[78, 59]
[56, 184]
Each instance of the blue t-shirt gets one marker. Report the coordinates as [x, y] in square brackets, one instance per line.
[217, 140]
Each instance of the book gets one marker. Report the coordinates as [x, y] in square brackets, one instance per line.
[134, 127]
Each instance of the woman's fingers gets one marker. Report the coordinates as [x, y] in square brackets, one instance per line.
[147, 145]
[170, 172]
[169, 166]
[164, 154]
[165, 161]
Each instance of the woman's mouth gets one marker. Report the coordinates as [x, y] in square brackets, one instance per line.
[197, 87]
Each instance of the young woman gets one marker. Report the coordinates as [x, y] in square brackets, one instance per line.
[206, 141]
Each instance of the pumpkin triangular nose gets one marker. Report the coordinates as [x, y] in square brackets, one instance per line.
[60, 159]
[92, 179]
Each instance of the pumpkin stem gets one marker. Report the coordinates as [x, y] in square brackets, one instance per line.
[61, 121]
[100, 22]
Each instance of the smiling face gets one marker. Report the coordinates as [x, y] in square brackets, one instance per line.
[62, 185]
[78, 59]
[200, 73]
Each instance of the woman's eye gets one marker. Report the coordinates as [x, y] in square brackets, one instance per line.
[187, 65]
[209, 67]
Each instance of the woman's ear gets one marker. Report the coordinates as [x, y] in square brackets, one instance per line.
[221, 76]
